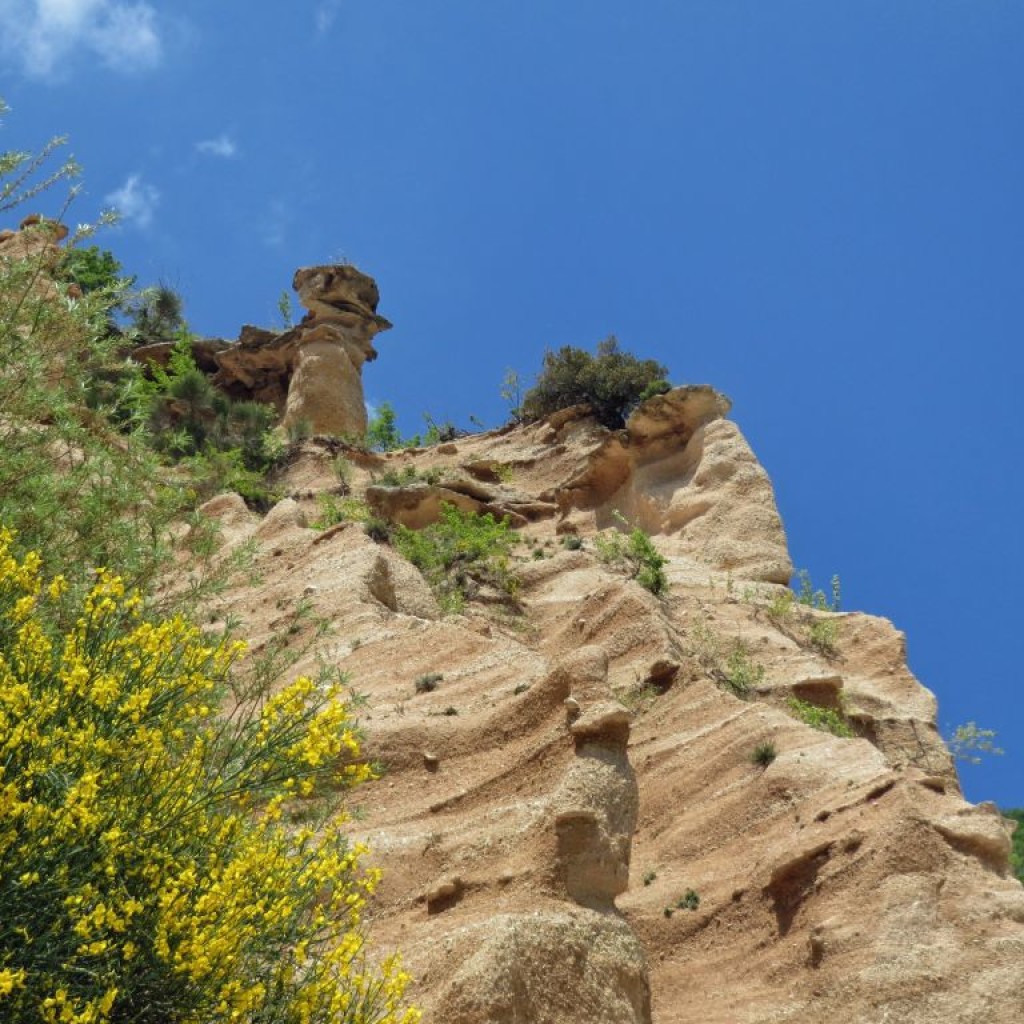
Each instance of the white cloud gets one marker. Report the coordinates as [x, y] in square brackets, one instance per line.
[135, 200]
[222, 146]
[47, 36]
[326, 15]
[276, 222]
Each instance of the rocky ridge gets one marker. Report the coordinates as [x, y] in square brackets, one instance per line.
[570, 823]
[311, 373]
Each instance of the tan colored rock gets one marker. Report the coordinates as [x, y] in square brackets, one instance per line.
[332, 343]
[556, 966]
[326, 389]
[845, 880]
[311, 373]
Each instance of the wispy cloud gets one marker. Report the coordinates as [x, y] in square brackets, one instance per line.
[276, 223]
[135, 200]
[325, 15]
[222, 146]
[46, 37]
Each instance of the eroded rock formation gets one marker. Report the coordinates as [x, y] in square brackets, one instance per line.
[571, 822]
[311, 373]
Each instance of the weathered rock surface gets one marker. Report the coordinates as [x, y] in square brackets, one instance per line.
[312, 373]
[571, 826]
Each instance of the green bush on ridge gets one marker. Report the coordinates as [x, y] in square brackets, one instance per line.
[612, 383]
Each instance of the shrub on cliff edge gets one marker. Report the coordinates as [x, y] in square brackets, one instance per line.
[612, 383]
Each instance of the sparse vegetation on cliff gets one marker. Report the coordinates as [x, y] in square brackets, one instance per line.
[728, 662]
[459, 554]
[818, 717]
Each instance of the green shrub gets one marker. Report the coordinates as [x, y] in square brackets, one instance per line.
[822, 635]
[299, 430]
[612, 383]
[408, 475]
[146, 870]
[80, 481]
[780, 609]
[764, 754]
[382, 433]
[1017, 852]
[807, 595]
[156, 314]
[427, 683]
[92, 269]
[690, 900]
[187, 416]
[71, 485]
[741, 673]
[727, 662]
[459, 553]
[378, 529]
[335, 509]
[825, 719]
[636, 552]
[969, 743]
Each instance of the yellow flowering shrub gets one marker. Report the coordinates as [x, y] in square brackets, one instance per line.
[147, 870]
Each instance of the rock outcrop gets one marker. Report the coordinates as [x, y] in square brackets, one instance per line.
[571, 825]
[36, 237]
[312, 373]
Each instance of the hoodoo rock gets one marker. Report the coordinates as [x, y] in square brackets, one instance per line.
[335, 339]
[312, 373]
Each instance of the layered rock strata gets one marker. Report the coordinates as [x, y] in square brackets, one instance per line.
[841, 878]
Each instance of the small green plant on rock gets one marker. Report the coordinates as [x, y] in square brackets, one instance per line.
[807, 595]
[427, 683]
[764, 754]
[1017, 851]
[742, 673]
[408, 475]
[780, 609]
[969, 742]
[730, 665]
[459, 554]
[822, 635]
[635, 552]
[639, 698]
[818, 717]
[378, 529]
[335, 509]
[690, 900]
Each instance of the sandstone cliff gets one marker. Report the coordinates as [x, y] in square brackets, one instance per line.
[571, 825]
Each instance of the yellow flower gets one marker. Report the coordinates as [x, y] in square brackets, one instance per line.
[10, 980]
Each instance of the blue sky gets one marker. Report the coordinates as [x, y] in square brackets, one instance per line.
[814, 205]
